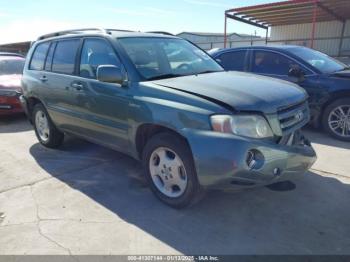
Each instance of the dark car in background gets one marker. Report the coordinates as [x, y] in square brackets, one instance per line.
[11, 69]
[326, 80]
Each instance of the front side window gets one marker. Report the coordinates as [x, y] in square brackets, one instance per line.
[96, 52]
[64, 57]
[271, 63]
[11, 65]
[156, 57]
[233, 61]
[321, 61]
[39, 55]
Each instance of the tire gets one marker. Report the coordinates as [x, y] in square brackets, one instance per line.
[51, 137]
[329, 119]
[176, 151]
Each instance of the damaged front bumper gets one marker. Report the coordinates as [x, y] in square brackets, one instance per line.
[225, 160]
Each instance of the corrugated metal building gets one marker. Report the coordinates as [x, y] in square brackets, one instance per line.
[320, 24]
[327, 36]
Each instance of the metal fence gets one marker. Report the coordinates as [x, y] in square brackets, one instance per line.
[333, 46]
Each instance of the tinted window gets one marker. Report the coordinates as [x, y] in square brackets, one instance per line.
[233, 60]
[272, 63]
[96, 52]
[38, 58]
[48, 63]
[64, 57]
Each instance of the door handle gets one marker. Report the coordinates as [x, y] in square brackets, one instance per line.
[78, 86]
[43, 79]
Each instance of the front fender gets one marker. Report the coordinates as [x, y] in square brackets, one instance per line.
[172, 115]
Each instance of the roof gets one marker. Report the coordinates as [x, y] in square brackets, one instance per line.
[264, 47]
[216, 34]
[291, 12]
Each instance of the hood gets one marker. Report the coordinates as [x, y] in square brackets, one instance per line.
[345, 73]
[10, 82]
[241, 91]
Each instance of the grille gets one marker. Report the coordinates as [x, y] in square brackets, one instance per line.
[293, 117]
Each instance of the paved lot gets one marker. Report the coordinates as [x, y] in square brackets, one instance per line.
[85, 199]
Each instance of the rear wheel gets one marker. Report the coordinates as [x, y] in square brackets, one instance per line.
[170, 171]
[46, 132]
[336, 119]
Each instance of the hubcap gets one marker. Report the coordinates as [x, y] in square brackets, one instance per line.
[168, 172]
[339, 121]
[42, 125]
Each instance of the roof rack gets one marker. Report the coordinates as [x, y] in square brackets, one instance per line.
[160, 32]
[101, 30]
[72, 31]
[117, 30]
[80, 31]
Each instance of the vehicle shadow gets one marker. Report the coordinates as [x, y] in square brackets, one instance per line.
[320, 137]
[311, 218]
[14, 124]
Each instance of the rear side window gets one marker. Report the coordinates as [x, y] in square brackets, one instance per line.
[49, 58]
[39, 55]
[96, 52]
[233, 61]
[64, 57]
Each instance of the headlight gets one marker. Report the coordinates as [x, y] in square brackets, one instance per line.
[254, 126]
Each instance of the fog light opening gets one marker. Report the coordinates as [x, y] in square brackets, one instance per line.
[255, 159]
[277, 172]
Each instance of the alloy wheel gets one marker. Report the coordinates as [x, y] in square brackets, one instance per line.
[168, 172]
[339, 121]
[42, 125]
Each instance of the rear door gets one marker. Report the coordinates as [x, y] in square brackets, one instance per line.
[60, 70]
[35, 79]
[234, 60]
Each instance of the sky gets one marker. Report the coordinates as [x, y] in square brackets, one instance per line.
[25, 20]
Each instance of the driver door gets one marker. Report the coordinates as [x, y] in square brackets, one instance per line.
[103, 107]
[274, 64]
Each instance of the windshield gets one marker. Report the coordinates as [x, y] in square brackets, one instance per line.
[321, 61]
[11, 66]
[157, 58]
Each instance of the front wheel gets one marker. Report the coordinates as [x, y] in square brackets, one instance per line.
[336, 119]
[169, 169]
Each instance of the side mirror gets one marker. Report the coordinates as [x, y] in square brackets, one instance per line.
[110, 74]
[297, 73]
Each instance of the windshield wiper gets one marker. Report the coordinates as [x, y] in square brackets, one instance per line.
[163, 76]
[208, 72]
[344, 69]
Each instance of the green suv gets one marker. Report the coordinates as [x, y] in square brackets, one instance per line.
[165, 102]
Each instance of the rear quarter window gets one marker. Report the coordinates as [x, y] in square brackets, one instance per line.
[38, 59]
[65, 55]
